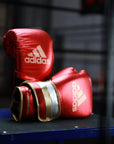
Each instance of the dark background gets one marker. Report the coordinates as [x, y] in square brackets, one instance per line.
[82, 33]
[78, 39]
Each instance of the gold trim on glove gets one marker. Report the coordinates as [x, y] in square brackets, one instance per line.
[17, 97]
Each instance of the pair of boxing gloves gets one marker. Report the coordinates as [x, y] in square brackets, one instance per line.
[66, 94]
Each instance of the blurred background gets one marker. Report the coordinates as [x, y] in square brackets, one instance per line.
[77, 28]
[82, 33]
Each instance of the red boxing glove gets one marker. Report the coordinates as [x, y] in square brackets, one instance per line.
[75, 94]
[24, 104]
[68, 94]
[32, 50]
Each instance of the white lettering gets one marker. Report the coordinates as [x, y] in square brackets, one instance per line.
[37, 60]
[78, 96]
[27, 60]
[75, 102]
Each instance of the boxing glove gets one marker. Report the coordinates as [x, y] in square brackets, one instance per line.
[32, 50]
[23, 104]
[67, 95]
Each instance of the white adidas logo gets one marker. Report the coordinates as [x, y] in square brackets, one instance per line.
[78, 96]
[37, 56]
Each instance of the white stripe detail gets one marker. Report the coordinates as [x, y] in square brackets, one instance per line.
[81, 100]
[30, 54]
[36, 53]
[40, 50]
[28, 103]
[53, 96]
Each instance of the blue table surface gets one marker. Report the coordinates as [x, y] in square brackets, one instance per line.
[59, 129]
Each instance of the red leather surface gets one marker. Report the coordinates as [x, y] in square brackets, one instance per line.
[75, 93]
[32, 50]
